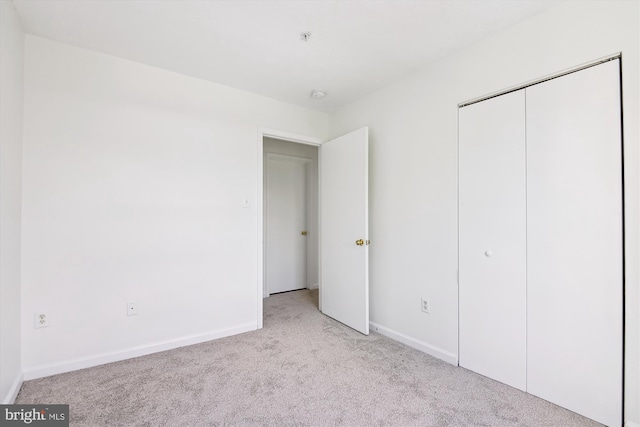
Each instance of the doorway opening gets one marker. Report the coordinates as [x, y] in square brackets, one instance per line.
[290, 189]
[288, 229]
[342, 226]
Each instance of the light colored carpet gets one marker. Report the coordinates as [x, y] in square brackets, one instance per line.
[302, 369]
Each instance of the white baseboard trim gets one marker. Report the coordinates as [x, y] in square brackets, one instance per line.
[414, 343]
[101, 359]
[313, 286]
[631, 424]
[14, 390]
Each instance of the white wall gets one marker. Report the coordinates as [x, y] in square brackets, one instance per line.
[278, 146]
[11, 78]
[133, 185]
[413, 168]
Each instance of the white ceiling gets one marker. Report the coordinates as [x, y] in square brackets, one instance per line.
[356, 47]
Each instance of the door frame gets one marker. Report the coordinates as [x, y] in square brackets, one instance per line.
[624, 206]
[291, 159]
[284, 136]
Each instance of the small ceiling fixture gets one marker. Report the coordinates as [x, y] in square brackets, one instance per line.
[305, 36]
[318, 94]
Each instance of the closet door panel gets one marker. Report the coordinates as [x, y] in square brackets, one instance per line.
[574, 248]
[492, 295]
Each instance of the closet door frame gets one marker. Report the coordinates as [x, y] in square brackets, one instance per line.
[615, 416]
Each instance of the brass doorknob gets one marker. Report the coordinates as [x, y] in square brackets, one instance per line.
[359, 242]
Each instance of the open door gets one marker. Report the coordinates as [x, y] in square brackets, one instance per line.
[344, 252]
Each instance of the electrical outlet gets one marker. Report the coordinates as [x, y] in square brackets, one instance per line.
[40, 320]
[426, 305]
[132, 308]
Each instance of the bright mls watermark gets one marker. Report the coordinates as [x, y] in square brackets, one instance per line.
[34, 415]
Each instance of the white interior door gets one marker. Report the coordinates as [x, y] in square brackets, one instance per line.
[286, 220]
[344, 263]
[492, 226]
[575, 242]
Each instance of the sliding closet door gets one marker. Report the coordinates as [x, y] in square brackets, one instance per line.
[492, 203]
[574, 232]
